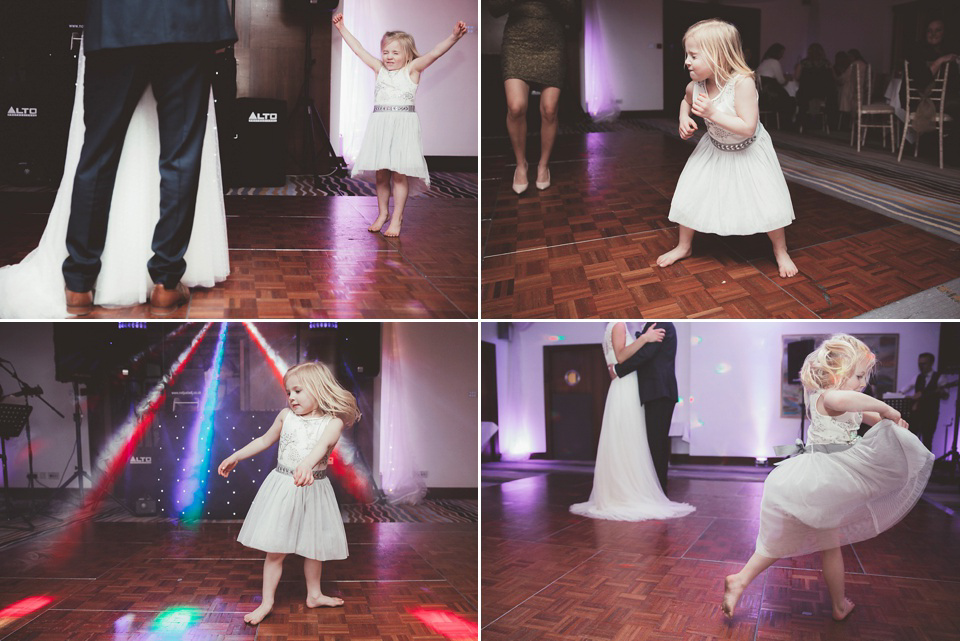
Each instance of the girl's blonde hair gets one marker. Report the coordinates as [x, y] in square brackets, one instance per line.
[834, 361]
[720, 43]
[406, 42]
[317, 379]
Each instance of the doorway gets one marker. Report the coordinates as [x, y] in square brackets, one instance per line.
[575, 380]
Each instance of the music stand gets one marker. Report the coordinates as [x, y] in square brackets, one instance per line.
[13, 418]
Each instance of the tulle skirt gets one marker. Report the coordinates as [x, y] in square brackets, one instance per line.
[33, 288]
[625, 484]
[284, 518]
[818, 501]
[732, 193]
[393, 141]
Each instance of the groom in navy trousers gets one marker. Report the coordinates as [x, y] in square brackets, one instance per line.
[655, 365]
[168, 44]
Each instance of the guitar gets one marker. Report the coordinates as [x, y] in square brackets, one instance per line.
[916, 401]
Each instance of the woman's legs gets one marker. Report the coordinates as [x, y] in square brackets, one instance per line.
[833, 575]
[681, 251]
[272, 569]
[784, 262]
[518, 96]
[735, 584]
[383, 199]
[315, 597]
[549, 101]
[400, 190]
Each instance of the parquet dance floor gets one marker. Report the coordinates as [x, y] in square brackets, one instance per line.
[156, 581]
[550, 575]
[587, 246]
[312, 257]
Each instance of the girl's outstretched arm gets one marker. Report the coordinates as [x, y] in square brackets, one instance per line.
[303, 475]
[745, 104]
[431, 56]
[354, 44]
[255, 446]
[840, 401]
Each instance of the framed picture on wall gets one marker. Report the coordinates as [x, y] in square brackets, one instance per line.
[796, 347]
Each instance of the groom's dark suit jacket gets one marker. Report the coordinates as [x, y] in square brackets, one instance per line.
[655, 364]
[117, 24]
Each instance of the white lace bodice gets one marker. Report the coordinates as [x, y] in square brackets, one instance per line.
[298, 437]
[394, 88]
[608, 352]
[831, 429]
[724, 103]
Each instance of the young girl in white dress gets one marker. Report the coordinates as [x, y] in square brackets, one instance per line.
[625, 485]
[732, 183]
[392, 150]
[295, 510]
[842, 488]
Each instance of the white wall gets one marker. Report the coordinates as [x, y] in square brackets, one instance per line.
[29, 348]
[728, 374]
[632, 31]
[439, 365]
[448, 92]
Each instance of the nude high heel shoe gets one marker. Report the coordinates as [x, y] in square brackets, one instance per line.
[543, 185]
[518, 187]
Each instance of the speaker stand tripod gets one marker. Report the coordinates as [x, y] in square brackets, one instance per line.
[312, 122]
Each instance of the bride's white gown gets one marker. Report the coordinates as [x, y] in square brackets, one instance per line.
[625, 484]
[34, 287]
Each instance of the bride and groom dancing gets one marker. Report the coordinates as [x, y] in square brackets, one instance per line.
[630, 476]
[167, 225]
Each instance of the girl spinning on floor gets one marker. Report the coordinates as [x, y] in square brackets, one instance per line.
[841, 488]
[392, 152]
[732, 183]
[295, 511]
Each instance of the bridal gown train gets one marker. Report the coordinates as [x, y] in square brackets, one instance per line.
[625, 484]
[33, 288]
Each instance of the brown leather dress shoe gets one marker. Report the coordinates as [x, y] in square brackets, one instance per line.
[79, 303]
[164, 302]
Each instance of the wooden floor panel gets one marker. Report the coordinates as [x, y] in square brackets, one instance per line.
[132, 578]
[587, 246]
[312, 257]
[660, 580]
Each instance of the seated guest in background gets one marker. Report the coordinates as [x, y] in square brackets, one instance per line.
[926, 62]
[815, 75]
[773, 96]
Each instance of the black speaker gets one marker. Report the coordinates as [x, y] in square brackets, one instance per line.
[796, 353]
[259, 147]
[358, 350]
[503, 331]
[38, 69]
[948, 358]
[311, 5]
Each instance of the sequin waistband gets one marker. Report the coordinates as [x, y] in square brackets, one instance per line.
[737, 146]
[377, 108]
[317, 474]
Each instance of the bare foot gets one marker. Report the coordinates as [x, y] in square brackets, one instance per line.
[672, 256]
[378, 223]
[841, 613]
[394, 229]
[258, 615]
[732, 589]
[324, 601]
[787, 268]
